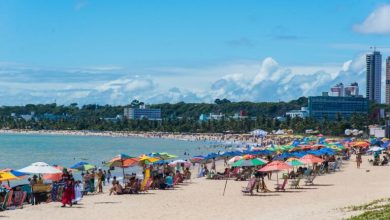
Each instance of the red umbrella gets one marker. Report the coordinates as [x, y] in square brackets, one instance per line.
[55, 176]
[276, 166]
[308, 158]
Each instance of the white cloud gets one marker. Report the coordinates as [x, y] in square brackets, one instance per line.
[266, 80]
[378, 22]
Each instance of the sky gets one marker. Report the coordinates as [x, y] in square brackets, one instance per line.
[111, 52]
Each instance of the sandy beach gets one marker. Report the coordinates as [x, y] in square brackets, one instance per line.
[203, 199]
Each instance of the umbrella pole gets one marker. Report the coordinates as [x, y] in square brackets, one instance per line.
[225, 187]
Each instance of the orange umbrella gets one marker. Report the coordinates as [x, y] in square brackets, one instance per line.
[308, 158]
[275, 166]
[248, 156]
[360, 144]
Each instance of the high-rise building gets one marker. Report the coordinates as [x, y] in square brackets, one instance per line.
[352, 89]
[337, 90]
[388, 80]
[374, 72]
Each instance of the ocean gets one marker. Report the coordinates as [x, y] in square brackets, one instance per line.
[20, 150]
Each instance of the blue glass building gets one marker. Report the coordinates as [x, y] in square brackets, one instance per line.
[328, 107]
[142, 113]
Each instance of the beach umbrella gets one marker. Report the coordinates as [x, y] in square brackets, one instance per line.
[39, 168]
[55, 176]
[83, 166]
[174, 163]
[294, 162]
[147, 160]
[310, 159]
[360, 144]
[9, 174]
[275, 166]
[196, 159]
[249, 163]
[162, 155]
[234, 159]
[123, 161]
[376, 148]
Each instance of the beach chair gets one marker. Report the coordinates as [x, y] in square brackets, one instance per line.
[332, 166]
[147, 185]
[322, 170]
[18, 199]
[249, 188]
[339, 163]
[310, 179]
[169, 182]
[294, 184]
[234, 173]
[7, 200]
[281, 187]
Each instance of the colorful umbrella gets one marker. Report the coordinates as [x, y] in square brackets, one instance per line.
[234, 159]
[294, 162]
[83, 166]
[8, 174]
[147, 160]
[249, 163]
[308, 158]
[174, 163]
[162, 155]
[123, 161]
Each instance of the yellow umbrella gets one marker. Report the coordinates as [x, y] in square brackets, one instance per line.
[147, 159]
[5, 175]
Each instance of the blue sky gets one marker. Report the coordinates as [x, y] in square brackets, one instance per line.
[167, 51]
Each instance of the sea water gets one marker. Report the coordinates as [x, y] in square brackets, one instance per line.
[20, 150]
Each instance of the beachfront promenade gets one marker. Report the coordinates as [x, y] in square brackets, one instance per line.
[203, 199]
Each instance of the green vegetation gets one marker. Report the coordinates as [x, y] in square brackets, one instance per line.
[376, 210]
[179, 117]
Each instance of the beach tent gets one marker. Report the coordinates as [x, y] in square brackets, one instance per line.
[40, 168]
[259, 133]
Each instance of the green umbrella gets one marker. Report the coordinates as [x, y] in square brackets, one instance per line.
[295, 163]
[249, 163]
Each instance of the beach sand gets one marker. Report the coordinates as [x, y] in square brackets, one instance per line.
[202, 199]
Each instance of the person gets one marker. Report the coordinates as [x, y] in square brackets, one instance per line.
[78, 188]
[99, 177]
[116, 188]
[92, 181]
[104, 177]
[68, 194]
[358, 159]
[108, 176]
[385, 161]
